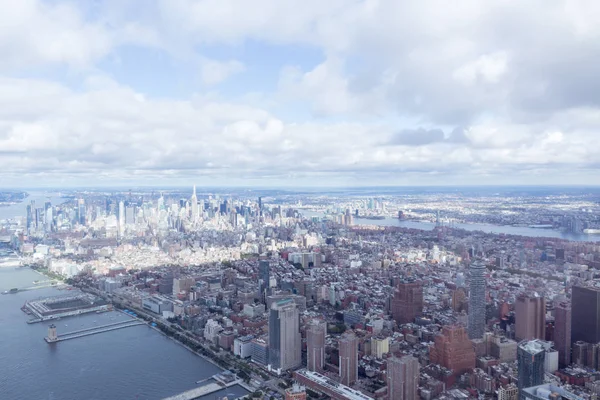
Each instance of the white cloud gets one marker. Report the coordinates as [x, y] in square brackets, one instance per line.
[522, 80]
[214, 72]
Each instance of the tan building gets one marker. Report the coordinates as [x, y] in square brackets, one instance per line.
[530, 318]
[402, 378]
[315, 345]
[348, 358]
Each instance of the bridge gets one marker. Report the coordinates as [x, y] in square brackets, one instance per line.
[95, 330]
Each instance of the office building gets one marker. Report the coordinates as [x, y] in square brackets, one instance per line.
[530, 318]
[452, 349]
[380, 346]
[315, 345]
[285, 351]
[477, 299]
[585, 314]
[264, 279]
[562, 332]
[530, 358]
[402, 378]
[348, 349]
[407, 303]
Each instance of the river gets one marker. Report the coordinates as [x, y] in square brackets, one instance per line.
[487, 228]
[20, 209]
[133, 363]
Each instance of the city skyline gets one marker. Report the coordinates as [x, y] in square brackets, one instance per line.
[99, 93]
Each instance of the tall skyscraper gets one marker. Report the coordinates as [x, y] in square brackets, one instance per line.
[315, 345]
[477, 299]
[453, 350]
[81, 211]
[407, 303]
[530, 357]
[348, 358]
[402, 378]
[285, 348]
[562, 332]
[585, 314]
[530, 318]
[264, 279]
[194, 205]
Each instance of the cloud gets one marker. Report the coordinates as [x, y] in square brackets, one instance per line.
[418, 137]
[403, 90]
[214, 72]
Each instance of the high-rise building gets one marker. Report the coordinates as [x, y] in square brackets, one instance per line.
[477, 299]
[121, 221]
[264, 279]
[530, 358]
[530, 318]
[194, 205]
[453, 350]
[81, 211]
[315, 345]
[348, 358]
[402, 378]
[285, 349]
[562, 332]
[585, 314]
[407, 303]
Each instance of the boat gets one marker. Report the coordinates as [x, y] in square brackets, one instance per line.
[13, 290]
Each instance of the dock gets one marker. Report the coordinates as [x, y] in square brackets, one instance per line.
[93, 330]
[195, 393]
[53, 308]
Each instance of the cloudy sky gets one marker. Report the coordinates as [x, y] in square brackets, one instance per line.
[299, 92]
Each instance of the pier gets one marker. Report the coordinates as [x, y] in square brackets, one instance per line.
[53, 308]
[53, 337]
[206, 389]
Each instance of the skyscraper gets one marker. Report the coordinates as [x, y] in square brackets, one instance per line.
[585, 314]
[315, 345]
[562, 332]
[264, 279]
[81, 211]
[348, 358]
[407, 303]
[402, 378]
[477, 299]
[121, 220]
[530, 318]
[530, 357]
[194, 205]
[285, 350]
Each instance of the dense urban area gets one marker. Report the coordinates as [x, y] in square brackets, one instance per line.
[328, 295]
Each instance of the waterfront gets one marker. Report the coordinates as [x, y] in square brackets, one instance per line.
[487, 228]
[20, 209]
[134, 363]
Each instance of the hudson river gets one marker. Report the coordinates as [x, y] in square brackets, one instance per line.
[133, 363]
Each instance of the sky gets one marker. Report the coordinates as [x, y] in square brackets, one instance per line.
[299, 92]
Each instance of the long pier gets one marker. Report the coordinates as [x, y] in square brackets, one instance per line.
[203, 390]
[95, 330]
